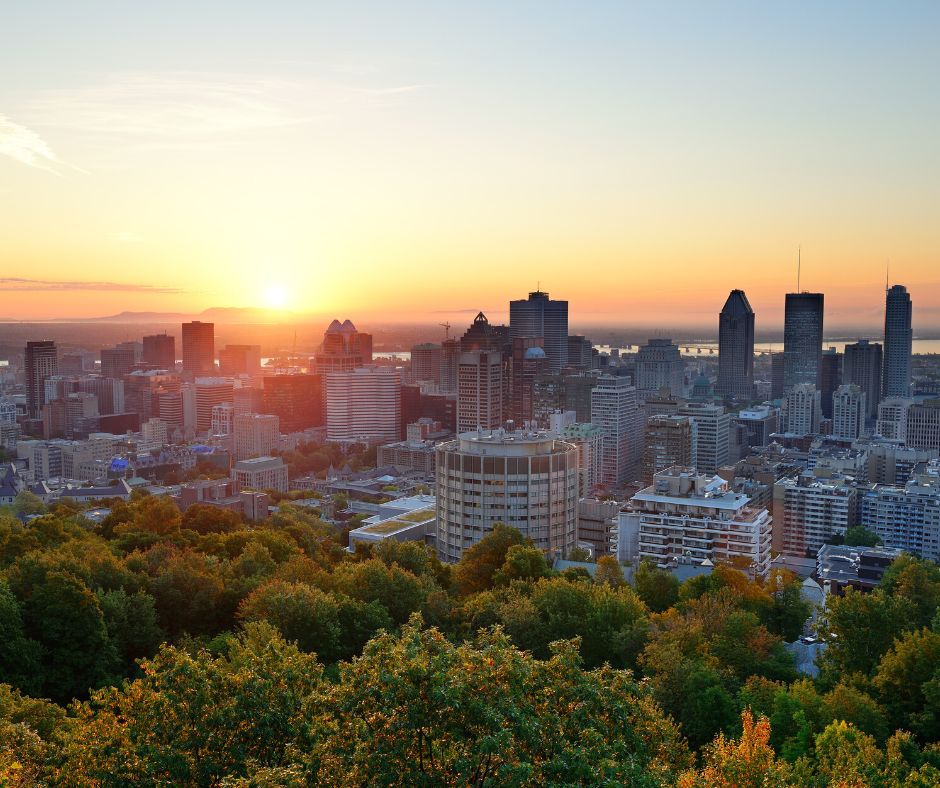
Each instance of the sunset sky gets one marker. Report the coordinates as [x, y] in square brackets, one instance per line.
[409, 160]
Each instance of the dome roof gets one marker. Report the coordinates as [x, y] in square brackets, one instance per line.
[534, 353]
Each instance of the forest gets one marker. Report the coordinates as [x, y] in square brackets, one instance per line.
[159, 648]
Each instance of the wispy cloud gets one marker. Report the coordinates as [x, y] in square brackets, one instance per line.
[26, 146]
[175, 107]
[16, 284]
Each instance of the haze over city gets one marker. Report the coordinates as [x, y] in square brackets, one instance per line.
[421, 161]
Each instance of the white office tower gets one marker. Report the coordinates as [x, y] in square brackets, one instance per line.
[614, 410]
[687, 518]
[802, 410]
[892, 418]
[540, 316]
[907, 517]
[480, 390]
[364, 404]
[526, 480]
[659, 366]
[898, 343]
[849, 407]
[256, 435]
[712, 426]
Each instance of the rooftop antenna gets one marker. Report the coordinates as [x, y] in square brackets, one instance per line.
[799, 265]
[887, 273]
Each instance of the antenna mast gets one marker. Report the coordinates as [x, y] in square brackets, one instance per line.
[799, 265]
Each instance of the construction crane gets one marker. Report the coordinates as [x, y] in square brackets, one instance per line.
[446, 327]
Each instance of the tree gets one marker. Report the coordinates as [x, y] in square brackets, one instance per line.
[131, 621]
[864, 626]
[187, 588]
[195, 719]
[523, 562]
[480, 562]
[658, 589]
[26, 503]
[908, 680]
[860, 536]
[609, 572]
[19, 655]
[418, 710]
[205, 519]
[916, 583]
[398, 591]
[579, 554]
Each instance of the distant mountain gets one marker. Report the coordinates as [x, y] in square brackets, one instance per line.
[213, 315]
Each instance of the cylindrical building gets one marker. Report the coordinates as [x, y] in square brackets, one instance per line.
[526, 480]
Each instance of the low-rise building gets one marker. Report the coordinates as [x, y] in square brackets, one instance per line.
[261, 473]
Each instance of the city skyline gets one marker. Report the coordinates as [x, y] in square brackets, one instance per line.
[639, 161]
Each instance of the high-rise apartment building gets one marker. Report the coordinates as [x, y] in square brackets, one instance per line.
[802, 338]
[863, 361]
[527, 481]
[160, 351]
[907, 517]
[614, 410]
[41, 362]
[712, 433]
[255, 435]
[669, 441]
[809, 511]
[801, 410]
[848, 412]
[898, 342]
[198, 348]
[426, 362]
[540, 316]
[480, 390]
[363, 404]
[659, 366]
[736, 347]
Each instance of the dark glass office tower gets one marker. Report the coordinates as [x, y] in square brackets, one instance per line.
[898, 341]
[736, 347]
[802, 339]
[863, 368]
[540, 316]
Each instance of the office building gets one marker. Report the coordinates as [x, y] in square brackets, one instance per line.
[255, 435]
[110, 393]
[450, 359]
[614, 410]
[528, 363]
[540, 316]
[426, 361]
[597, 525]
[898, 342]
[483, 335]
[759, 423]
[297, 400]
[580, 352]
[159, 351]
[240, 360]
[261, 473]
[736, 347]
[808, 511]
[923, 424]
[669, 441]
[210, 392]
[344, 348]
[659, 366]
[892, 418]
[802, 338]
[907, 517]
[712, 431]
[119, 360]
[198, 349]
[479, 390]
[249, 399]
[588, 439]
[862, 366]
[41, 362]
[776, 375]
[223, 419]
[801, 410]
[687, 518]
[848, 412]
[527, 481]
[830, 378]
[154, 432]
[363, 405]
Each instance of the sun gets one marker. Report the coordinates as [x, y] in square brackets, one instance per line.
[275, 296]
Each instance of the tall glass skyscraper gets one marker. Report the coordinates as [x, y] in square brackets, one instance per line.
[736, 347]
[802, 338]
[540, 316]
[898, 341]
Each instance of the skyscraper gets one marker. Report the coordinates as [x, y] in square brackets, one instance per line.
[614, 410]
[801, 410]
[479, 390]
[160, 350]
[297, 400]
[540, 316]
[848, 409]
[830, 378]
[659, 366]
[344, 348]
[41, 362]
[363, 404]
[736, 347]
[240, 360]
[863, 368]
[198, 348]
[898, 340]
[802, 338]
[669, 440]
[118, 361]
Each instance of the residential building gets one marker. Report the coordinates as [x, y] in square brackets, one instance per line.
[614, 410]
[907, 517]
[588, 439]
[848, 412]
[540, 316]
[597, 524]
[41, 361]
[892, 418]
[736, 347]
[689, 518]
[525, 480]
[801, 410]
[669, 441]
[810, 510]
[712, 427]
[898, 342]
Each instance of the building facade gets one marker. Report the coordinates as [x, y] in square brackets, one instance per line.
[541, 316]
[898, 342]
[736, 347]
[802, 338]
